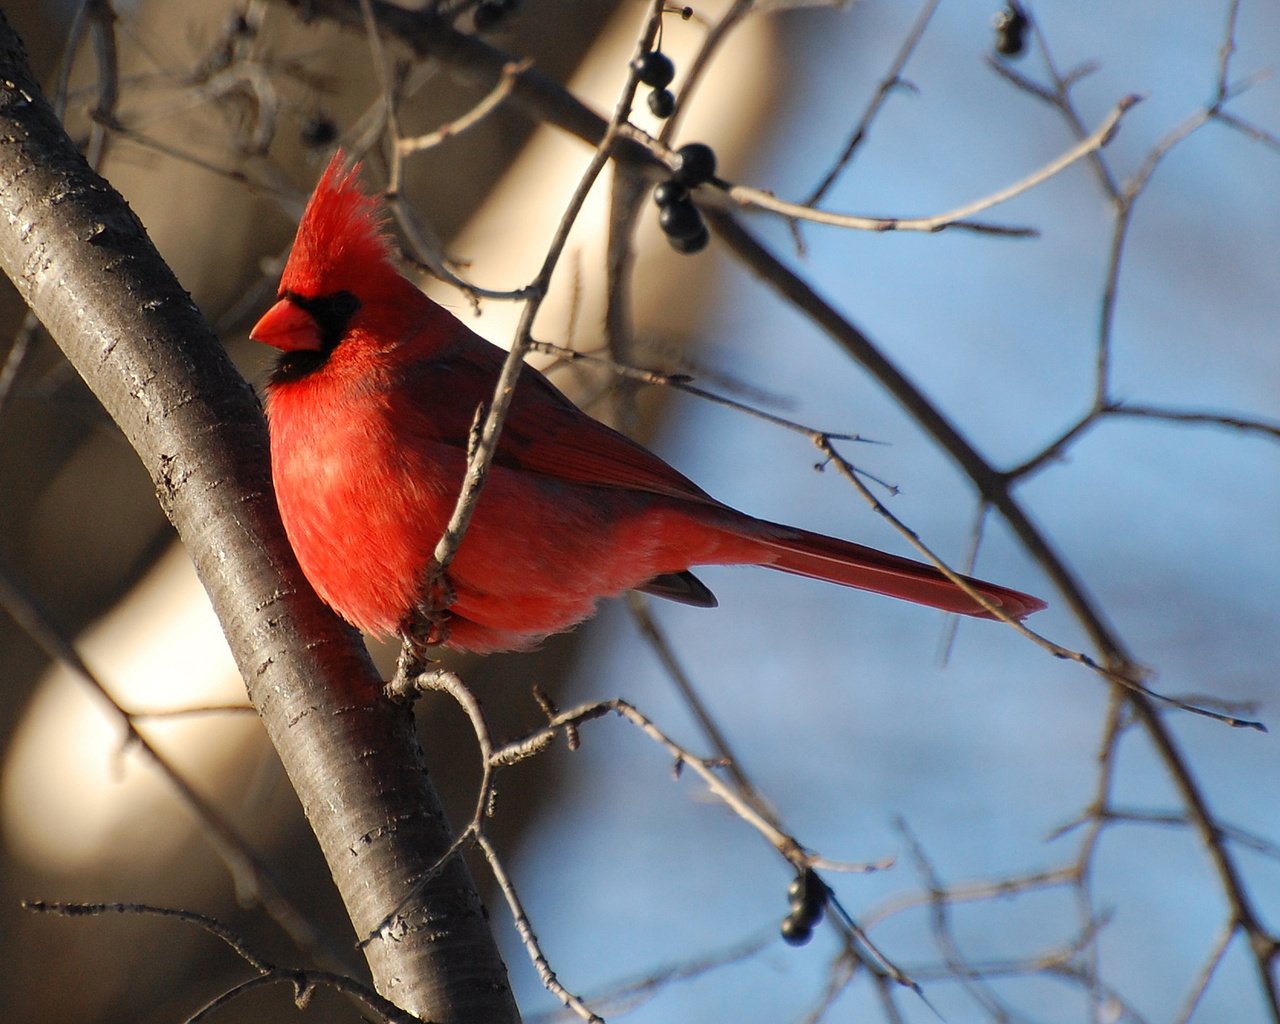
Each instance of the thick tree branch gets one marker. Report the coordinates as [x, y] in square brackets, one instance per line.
[84, 264]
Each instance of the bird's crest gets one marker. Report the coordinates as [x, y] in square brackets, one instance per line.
[341, 237]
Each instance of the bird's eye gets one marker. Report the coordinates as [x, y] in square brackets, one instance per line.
[344, 304]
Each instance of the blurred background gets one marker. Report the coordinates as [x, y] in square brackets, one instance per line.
[876, 729]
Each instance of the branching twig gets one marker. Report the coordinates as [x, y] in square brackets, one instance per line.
[1104, 133]
[304, 981]
[891, 80]
[492, 100]
[530, 940]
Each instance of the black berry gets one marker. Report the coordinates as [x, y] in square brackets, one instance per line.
[655, 69]
[680, 220]
[1011, 31]
[670, 191]
[807, 894]
[693, 243]
[797, 892]
[795, 931]
[662, 103]
[695, 164]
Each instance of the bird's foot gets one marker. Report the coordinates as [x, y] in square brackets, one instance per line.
[427, 624]
[425, 627]
[420, 631]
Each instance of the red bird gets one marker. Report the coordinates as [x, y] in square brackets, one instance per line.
[370, 407]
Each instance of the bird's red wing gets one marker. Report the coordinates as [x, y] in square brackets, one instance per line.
[546, 433]
[565, 443]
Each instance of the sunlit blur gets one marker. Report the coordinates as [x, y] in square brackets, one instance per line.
[73, 794]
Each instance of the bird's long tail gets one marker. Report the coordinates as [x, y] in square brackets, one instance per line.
[853, 565]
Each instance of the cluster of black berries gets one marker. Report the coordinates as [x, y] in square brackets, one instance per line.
[678, 217]
[1011, 30]
[808, 896]
[655, 70]
[490, 12]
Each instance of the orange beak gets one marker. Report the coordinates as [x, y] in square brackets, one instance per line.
[288, 327]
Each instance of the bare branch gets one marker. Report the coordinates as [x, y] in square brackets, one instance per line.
[302, 980]
[1104, 133]
[891, 81]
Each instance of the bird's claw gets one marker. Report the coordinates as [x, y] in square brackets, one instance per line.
[427, 625]
[426, 632]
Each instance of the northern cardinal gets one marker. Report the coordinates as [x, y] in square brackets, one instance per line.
[370, 407]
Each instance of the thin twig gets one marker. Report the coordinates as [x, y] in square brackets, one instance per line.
[891, 80]
[1127, 680]
[302, 980]
[626, 997]
[491, 101]
[530, 940]
[13, 360]
[704, 768]
[1104, 133]
[683, 382]
[662, 647]
[1200, 984]
[1244, 424]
